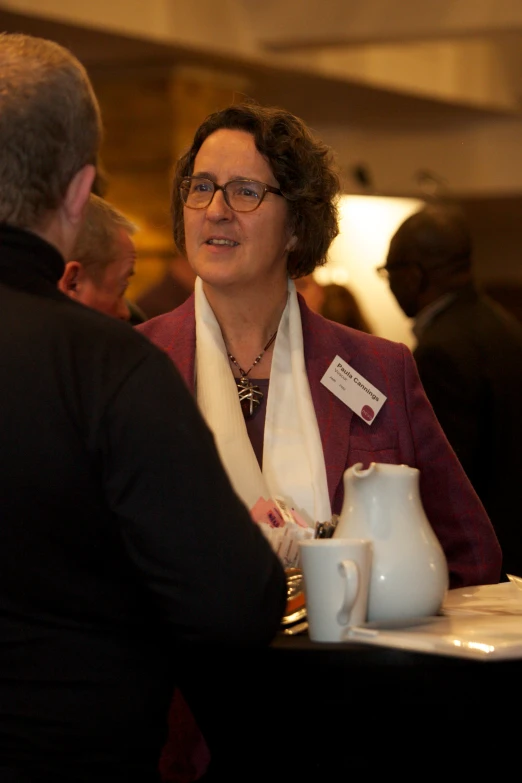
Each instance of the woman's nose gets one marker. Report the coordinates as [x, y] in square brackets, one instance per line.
[218, 208]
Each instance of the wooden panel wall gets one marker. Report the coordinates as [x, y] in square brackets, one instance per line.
[150, 116]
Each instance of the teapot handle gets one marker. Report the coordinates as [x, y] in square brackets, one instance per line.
[349, 570]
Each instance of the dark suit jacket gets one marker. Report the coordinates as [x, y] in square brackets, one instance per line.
[121, 539]
[469, 359]
[404, 431]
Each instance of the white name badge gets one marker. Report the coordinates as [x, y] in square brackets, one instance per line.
[355, 391]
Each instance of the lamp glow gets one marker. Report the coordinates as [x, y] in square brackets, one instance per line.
[367, 223]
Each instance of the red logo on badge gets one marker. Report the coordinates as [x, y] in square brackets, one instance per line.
[367, 413]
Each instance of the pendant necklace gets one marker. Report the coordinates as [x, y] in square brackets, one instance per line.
[250, 396]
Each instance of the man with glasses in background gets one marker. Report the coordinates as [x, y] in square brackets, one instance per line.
[469, 357]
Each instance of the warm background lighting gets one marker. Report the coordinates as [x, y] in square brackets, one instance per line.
[367, 224]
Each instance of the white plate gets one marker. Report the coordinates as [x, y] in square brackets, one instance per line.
[500, 599]
[482, 637]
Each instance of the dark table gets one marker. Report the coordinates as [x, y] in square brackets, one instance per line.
[299, 708]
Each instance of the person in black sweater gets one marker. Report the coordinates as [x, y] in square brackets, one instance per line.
[123, 545]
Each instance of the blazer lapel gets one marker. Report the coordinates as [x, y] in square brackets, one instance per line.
[181, 346]
[321, 345]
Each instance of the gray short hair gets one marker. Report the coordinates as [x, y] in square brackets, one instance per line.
[50, 126]
[94, 248]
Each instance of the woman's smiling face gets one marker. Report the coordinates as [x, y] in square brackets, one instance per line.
[228, 248]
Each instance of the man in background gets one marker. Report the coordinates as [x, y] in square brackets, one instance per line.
[103, 260]
[469, 357]
[122, 542]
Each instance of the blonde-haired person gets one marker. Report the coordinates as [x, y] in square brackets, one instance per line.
[113, 498]
[102, 260]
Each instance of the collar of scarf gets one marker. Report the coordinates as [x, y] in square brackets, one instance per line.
[293, 460]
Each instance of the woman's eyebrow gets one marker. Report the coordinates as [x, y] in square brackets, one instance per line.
[205, 174]
[211, 176]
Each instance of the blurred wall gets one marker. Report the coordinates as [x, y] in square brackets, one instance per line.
[425, 97]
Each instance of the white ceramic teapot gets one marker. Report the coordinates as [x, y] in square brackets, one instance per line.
[409, 572]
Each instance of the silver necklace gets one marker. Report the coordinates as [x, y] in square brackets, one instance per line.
[250, 396]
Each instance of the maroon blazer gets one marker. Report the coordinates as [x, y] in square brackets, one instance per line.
[405, 431]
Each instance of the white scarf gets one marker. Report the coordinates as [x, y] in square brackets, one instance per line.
[293, 460]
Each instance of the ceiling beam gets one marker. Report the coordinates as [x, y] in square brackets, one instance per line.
[312, 23]
[169, 22]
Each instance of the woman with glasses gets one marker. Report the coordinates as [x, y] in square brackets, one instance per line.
[254, 207]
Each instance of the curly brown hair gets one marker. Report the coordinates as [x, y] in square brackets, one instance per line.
[302, 165]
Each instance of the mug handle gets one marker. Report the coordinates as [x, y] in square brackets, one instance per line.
[349, 570]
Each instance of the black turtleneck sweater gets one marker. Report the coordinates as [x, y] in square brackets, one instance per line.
[120, 535]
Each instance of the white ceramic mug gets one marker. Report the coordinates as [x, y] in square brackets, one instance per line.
[336, 576]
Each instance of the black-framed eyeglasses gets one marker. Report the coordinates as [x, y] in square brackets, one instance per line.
[385, 271]
[241, 195]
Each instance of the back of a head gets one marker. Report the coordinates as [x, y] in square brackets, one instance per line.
[50, 126]
[340, 305]
[436, 238]
[95, 244]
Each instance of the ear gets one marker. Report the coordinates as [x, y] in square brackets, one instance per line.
[290, 245]
[69, 281]
[77, 194]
